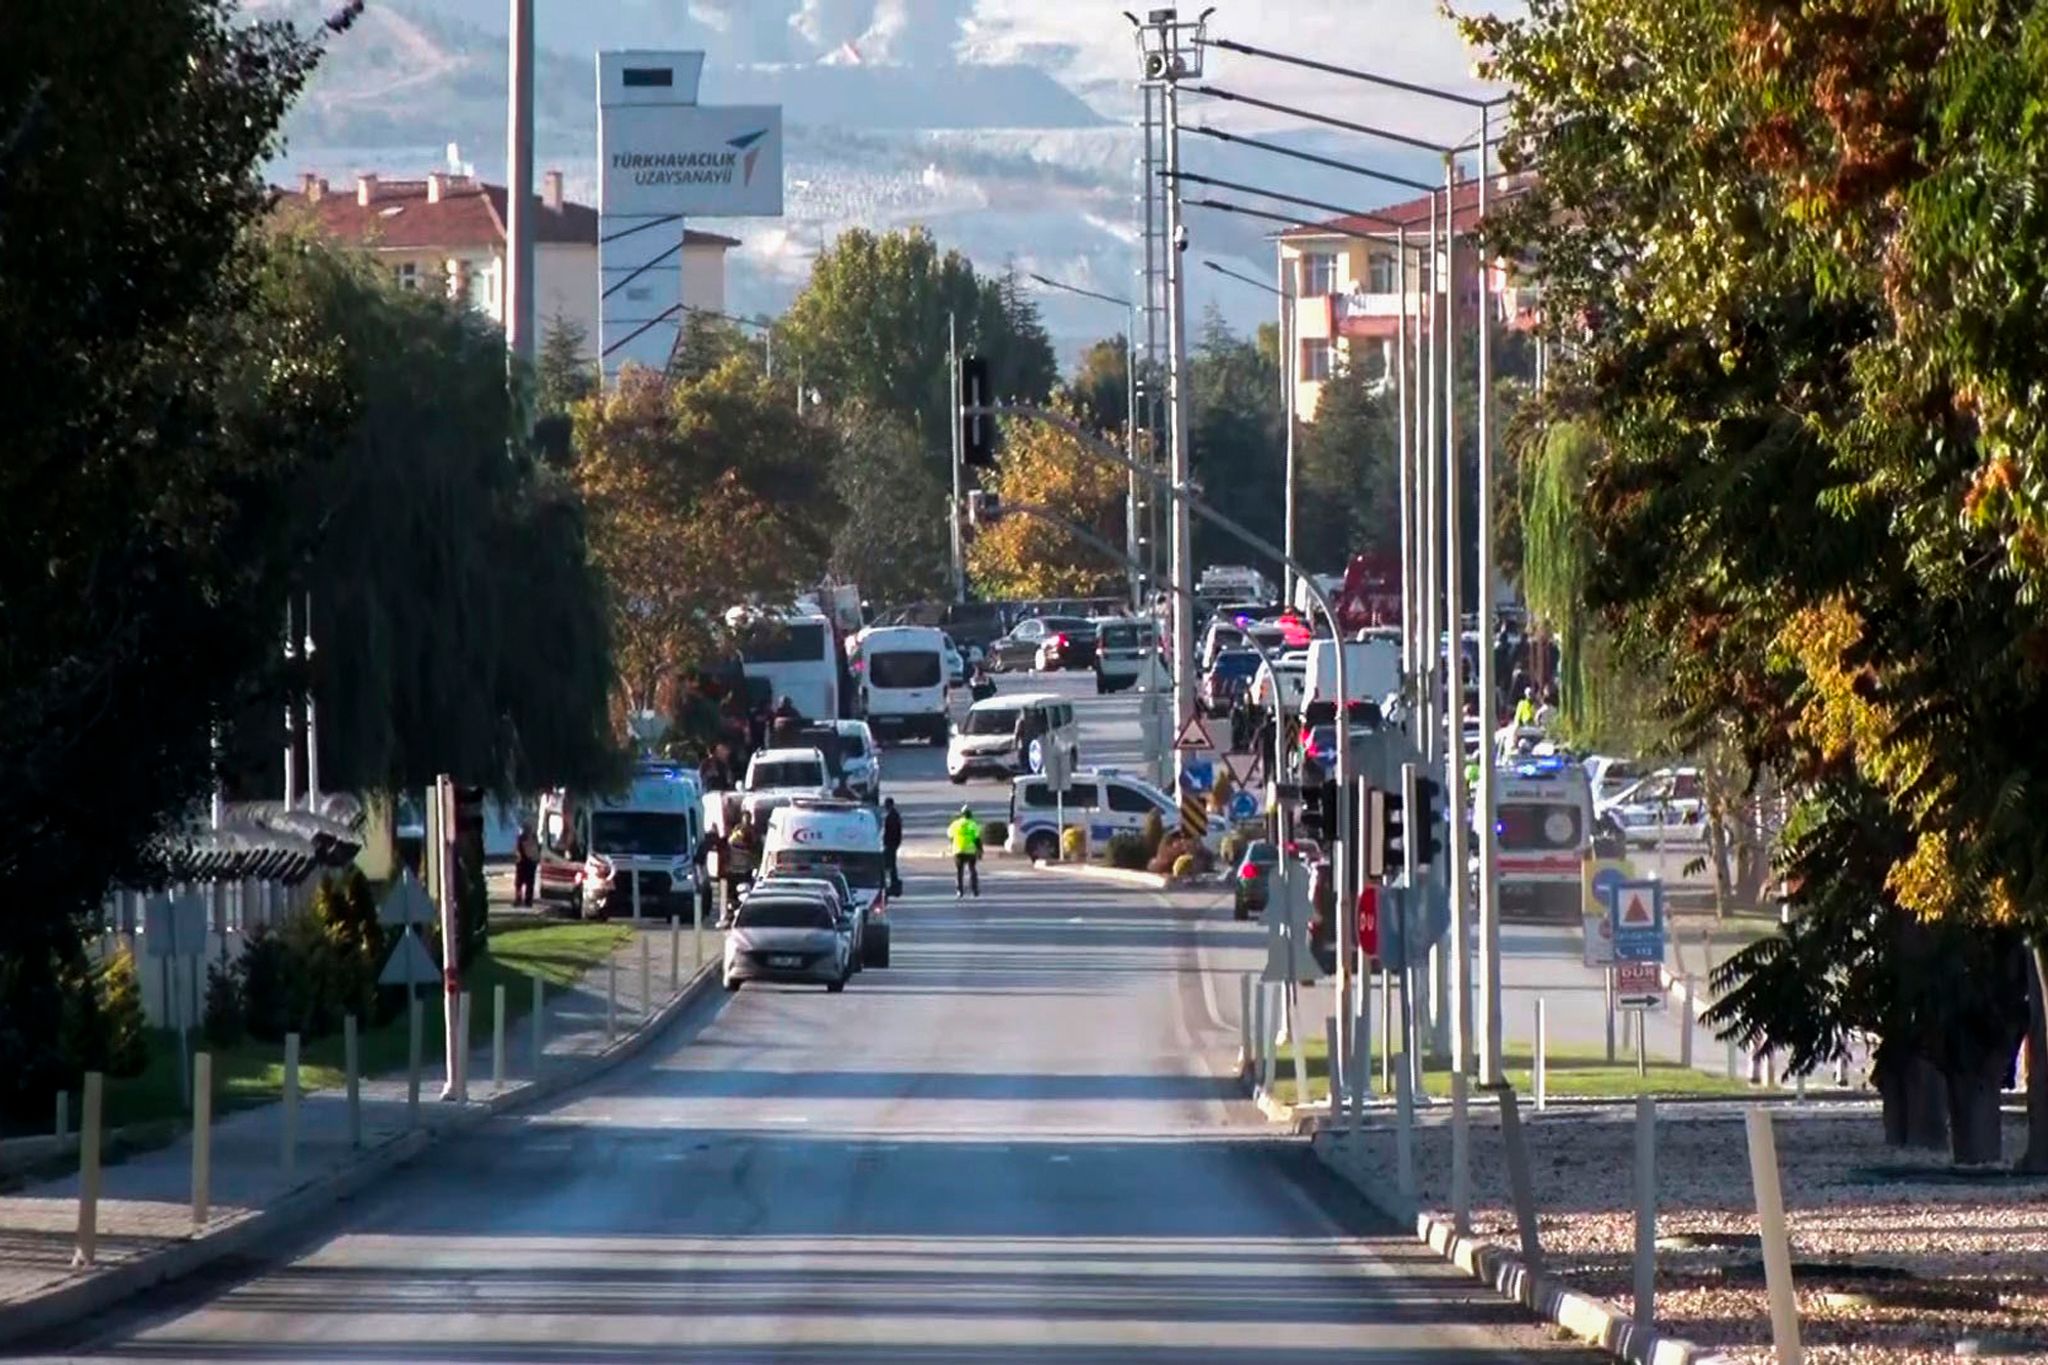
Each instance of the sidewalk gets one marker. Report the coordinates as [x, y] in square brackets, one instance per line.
[145, 1207]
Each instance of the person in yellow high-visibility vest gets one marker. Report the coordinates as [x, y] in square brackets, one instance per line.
[965, 835]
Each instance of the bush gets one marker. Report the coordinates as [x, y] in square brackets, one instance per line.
[222, 1022]
[1074, 844]
[82, 1029]
[1170, 848]
[1233, 849]
[1155, 833]
[266, 973]
[1184, 867]
[126, 1028]
[1128, 852]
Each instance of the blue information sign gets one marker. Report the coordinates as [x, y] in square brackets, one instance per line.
[1636, 910]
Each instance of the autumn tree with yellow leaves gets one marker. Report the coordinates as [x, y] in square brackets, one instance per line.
[1028, 557]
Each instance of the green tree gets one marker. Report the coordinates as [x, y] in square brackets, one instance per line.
[870, 329]
[1100, 388]
[1237, 442]
[564, 373]
[1347, 474]
[702, 494]
[441, 649]
[1026, 556]
[127, 1030]
[892, 540]
[1811, 505]
[154, 410]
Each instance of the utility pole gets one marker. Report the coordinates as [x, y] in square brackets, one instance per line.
[312, 726]
[1489, 870]
[291, 712]
[519, 289]
[1288, 387]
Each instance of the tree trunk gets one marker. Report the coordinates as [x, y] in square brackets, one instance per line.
[1915, 1100]
[1976, 1128]
[2035, 1159]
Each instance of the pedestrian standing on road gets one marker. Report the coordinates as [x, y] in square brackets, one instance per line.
[965, 836]
[788, 724]
[892, 841]
[716, 772]
[1525, 708]
[525, 865]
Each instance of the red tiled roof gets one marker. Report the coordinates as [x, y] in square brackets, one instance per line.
[468, 214]
[1414, 213]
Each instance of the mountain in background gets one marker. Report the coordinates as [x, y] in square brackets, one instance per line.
[885, 129]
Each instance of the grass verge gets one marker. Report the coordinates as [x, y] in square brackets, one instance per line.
[252, 1071]
[1569, 1072]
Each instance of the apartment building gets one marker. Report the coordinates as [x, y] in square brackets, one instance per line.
[446, 232]
[1344, 277]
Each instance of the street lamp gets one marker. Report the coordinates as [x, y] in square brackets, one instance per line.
[1285, 293]
[1133, 572]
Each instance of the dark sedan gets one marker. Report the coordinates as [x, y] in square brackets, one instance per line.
[1254, 877]
[1017, 652]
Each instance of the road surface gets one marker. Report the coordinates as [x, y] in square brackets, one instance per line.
[1015, 1145]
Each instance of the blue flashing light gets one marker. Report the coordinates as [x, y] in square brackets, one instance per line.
[1551, 766]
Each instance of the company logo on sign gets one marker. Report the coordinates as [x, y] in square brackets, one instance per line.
[804, 834]
[732, 164]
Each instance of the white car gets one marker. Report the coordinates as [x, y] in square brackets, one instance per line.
[1669, 805]
[775, 777]
[787, 937]
[1609, 775]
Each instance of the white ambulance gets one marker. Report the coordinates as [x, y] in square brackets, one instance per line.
[1543, 810]
[811, 835]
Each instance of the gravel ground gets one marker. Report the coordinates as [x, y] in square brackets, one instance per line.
[1896, 1257]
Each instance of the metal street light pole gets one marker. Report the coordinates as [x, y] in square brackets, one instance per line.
[959, 504]
[1454, 599]
[1489, 870]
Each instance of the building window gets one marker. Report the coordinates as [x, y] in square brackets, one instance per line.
[408, 275]
[1316, 358]
[482, 291]
[1380, 273]
[1318, 275]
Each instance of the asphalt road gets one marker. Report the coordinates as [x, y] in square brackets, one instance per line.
[1015, 1145]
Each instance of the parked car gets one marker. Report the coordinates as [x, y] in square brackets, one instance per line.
[1065, 649]
[1126, 650]
[1669, 805]
[1018, 651]
[785, 936]
[1254, 878]
[833, 886]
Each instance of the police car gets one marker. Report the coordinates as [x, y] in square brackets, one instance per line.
[1543, 812]
[1103, 801]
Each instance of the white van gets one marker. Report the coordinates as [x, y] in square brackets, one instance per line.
[903, 681]
[1102, 801]
[1543, 811]
[1373, 668]
[596, 848]
[775, 777]
[809, 836]
[1127, 654]
[984, 744]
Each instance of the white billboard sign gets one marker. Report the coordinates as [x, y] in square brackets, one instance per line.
[710, 161]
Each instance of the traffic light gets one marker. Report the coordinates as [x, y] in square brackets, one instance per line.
[1425, 797]
[977, 430]
[1385, 833]
[1318, 813]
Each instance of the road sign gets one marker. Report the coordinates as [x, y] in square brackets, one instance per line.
[1636, 911]
[1639, 985]
[410, 964]
[1058, 772]
[1369, 921]
[1247, 770]
[1197, 775]
[1598, 878]
[1243, 805]
[173, 928]
[407, 903]
[1194, 735]
[1194, 816]
[1289, 955]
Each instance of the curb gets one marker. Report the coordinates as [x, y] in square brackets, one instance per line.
[96, 1293]
[1590, 1319]
[1150, 881]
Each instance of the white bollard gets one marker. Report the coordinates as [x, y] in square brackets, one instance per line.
[1734, 1065]
[63, 1115]
[1294, 1036]
[1461, 1156]
[697, 932]
[1338, 1118]
[1777, 1247]
[1646, 1212]
[289, 1113]
[646, 977]
[89, 1171]
[539, 1024]
[468, 1038]
[351, 1071]
[414, 1022]
[202, 1135]
[497, 1038]
[1799, 1087]
[1539, 1073]
[1244, 1022]
[611, 998]
[675, 954]
[1687, 1019]
[636, 896]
